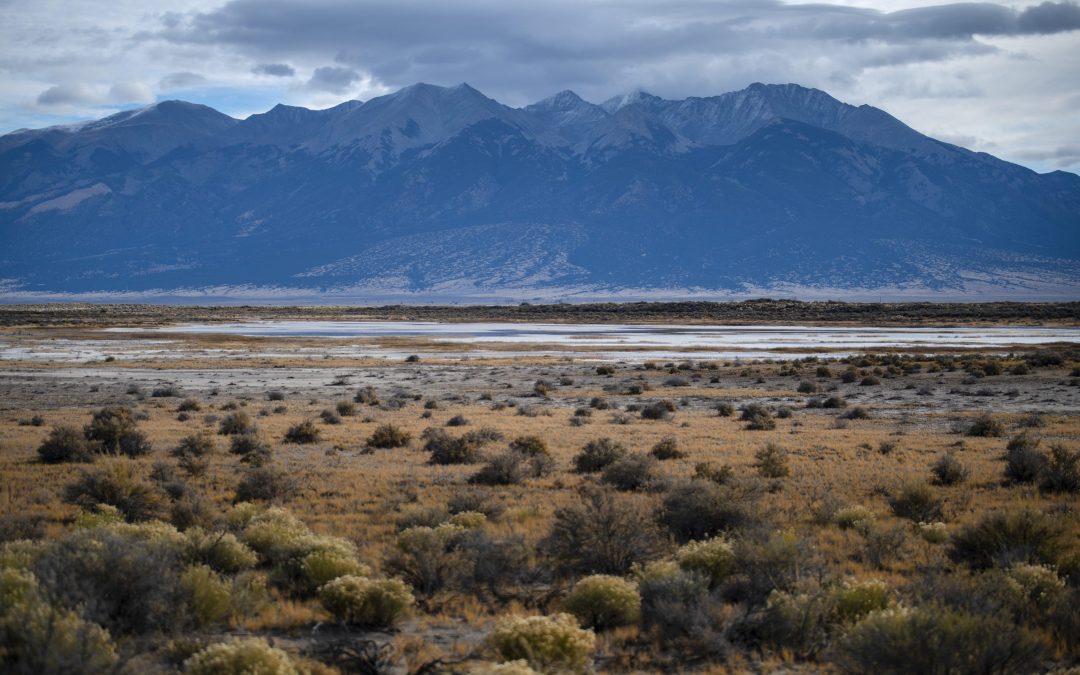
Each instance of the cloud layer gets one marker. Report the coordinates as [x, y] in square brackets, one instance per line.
[998, 76]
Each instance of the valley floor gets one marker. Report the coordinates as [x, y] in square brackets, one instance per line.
[847, 504]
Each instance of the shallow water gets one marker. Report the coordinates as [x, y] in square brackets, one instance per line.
[659, 337]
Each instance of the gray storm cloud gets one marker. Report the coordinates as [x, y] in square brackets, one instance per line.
[333, 79]
[274, 69]
[526, 51]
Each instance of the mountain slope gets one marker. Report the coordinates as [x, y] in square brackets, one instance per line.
[446, 193]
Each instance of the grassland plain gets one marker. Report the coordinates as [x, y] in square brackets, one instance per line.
[877, 513]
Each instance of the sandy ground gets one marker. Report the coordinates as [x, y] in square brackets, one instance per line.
[41, 369]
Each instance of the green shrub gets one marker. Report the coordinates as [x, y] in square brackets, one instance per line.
[934, 533]
[100, 516]
[302, 432]
[428, 557]
[266, 483]
[447, 449]
[367, 395]
[530, 445]
[547, 643]
[275, 534]
[658, 410]
[725, 409]
[721, 475]
[421, 516]
[772, 461]
[882, 545]
[1033, 420]
[241, 656]
[948, 470]
[601, 533]
[769, 563]
[24, 525]
[797, 623]
[65, 444]
[667, 448]
[917, 502]
[1004, 538]
[512, 467]
[602, 602]
[757, 417]
[1024, 462]
[678, 611]
[124, 577]
[479, 500]
[938, 640]
[834, 402]
[38, 638]
[856, 600]
[713, 559]
[389, 436]
[855, 516]
[236, 423]
[470, 520]
[19, 554]
[222, 551]
[986, 426]
[195, 445]
[1033, 591]
[1062, 470]
[284, 542]
[322, 566]
[597, 454]
[699, 509]
[209, 597]
[345, 408]
[856, 413]
[632, 471]
[251, 448]
[114, 430]
[368, 603]
[118, 484]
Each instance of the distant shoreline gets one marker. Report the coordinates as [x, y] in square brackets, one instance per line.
[732, 313]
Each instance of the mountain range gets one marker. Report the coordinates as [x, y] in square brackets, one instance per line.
[443, 194]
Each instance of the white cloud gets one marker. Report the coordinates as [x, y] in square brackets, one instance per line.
[181, 80]
[68, 95]
[131, 92]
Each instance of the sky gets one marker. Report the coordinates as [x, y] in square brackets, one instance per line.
[1001, 77]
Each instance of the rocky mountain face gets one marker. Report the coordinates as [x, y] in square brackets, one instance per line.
[443, 193]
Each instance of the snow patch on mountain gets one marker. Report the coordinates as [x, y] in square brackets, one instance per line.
[71, 199]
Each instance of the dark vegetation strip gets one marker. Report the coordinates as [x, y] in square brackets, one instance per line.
[750, 311]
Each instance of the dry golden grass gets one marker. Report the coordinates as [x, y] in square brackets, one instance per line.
[348, 491]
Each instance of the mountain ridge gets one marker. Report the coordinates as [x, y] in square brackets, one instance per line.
[436, 190]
